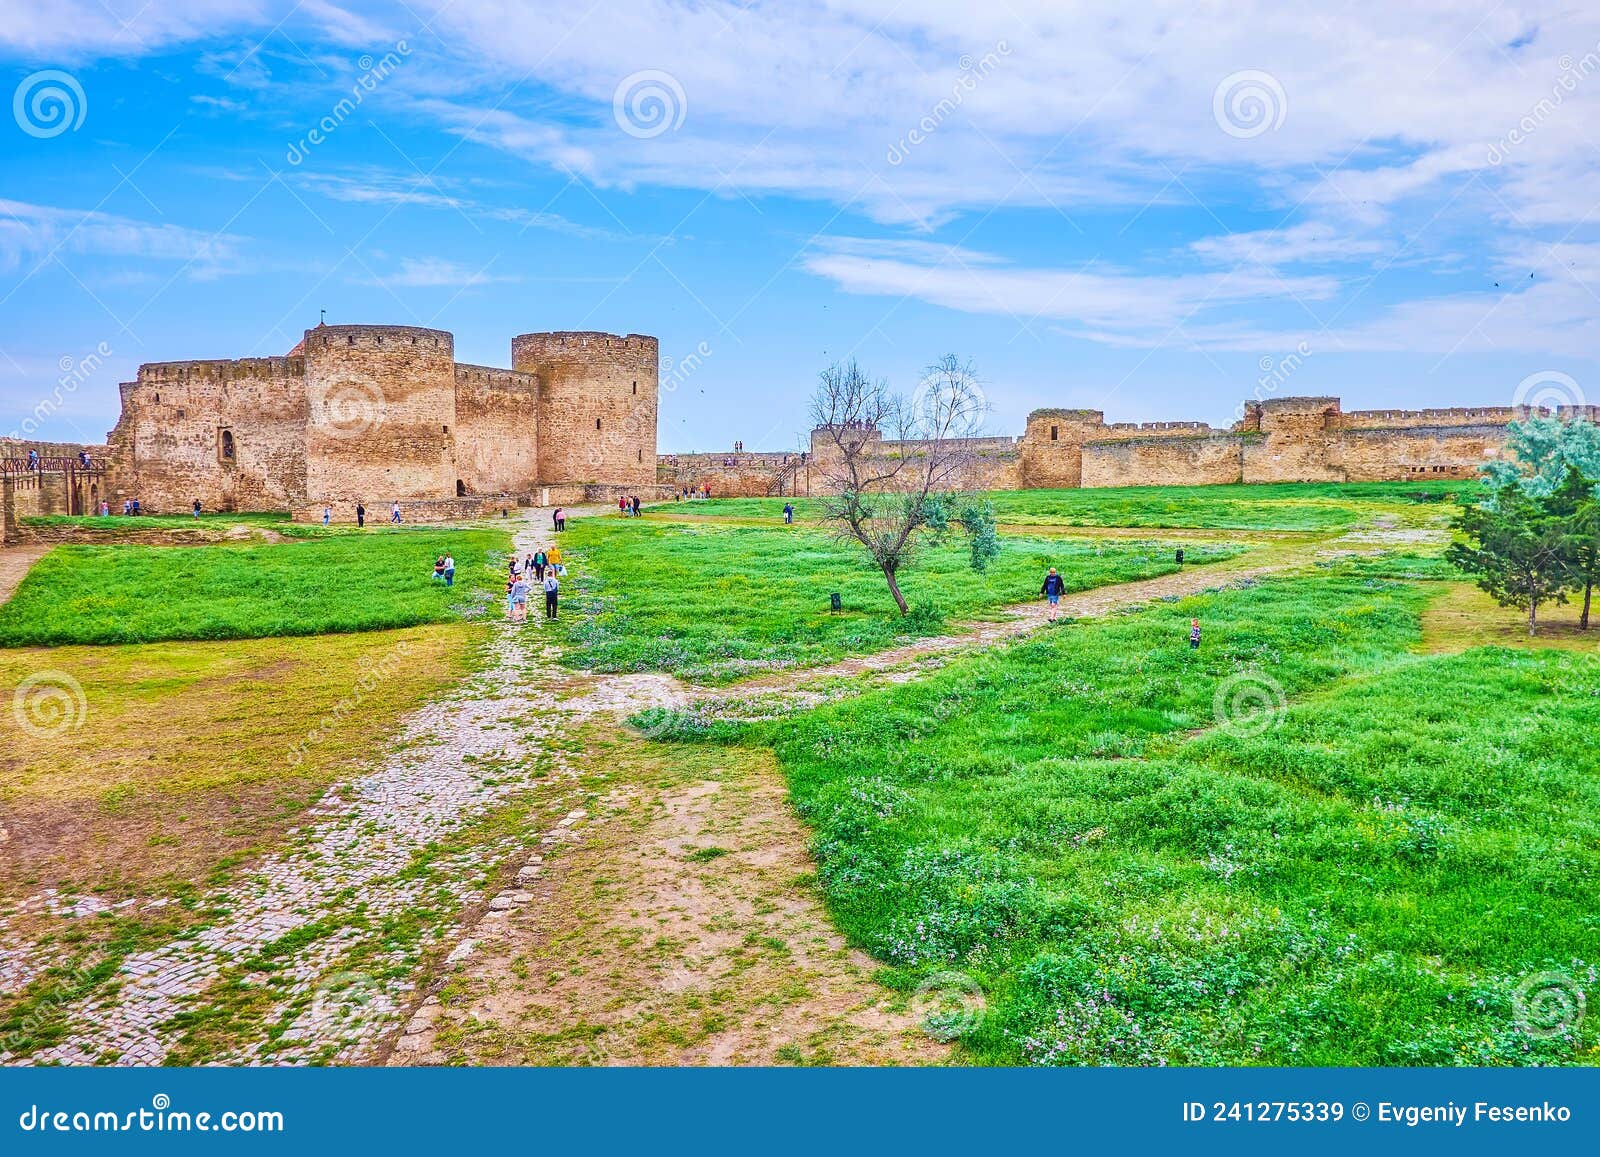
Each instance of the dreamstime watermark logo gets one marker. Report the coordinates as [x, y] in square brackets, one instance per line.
[1248, 704]
[351, 409]
[48, 704]
[1275, 374]
[49, 103]
[972, 72]
[657, 710]
[374, 673]
[1548, 390]
[1573, 72]
[373, 73]
[1548, 1004]
[949, 1005]
[74, 372]
[648, 103]
[949, 398]
[1249, 103]
[347, 1000]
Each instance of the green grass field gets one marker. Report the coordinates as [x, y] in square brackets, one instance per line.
[1133, 873]
[1285, 507]
[713, 602]
[347, 582]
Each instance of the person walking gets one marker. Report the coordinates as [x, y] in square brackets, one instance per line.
[197, 508]
[552, 588]
[519, 600]
[788, 514]
[327, 515]
[361, 515]
[636, 506]
[449, 570]
[1194, 634]
[1053, 586]
[33, 460]
[555, 560]
[560, 518]
[394, 514]
[540, 561]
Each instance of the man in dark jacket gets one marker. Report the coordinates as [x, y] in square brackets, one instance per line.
[1053, 586]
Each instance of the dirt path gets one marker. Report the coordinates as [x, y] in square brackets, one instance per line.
[675, 922]
[15, 562]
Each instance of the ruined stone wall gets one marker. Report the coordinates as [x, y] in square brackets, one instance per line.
[1174, 460]
[1298, 442]
[381, 404]
[496, 434]
[1052, 447]
[1417, 452]
[597, 400]
[736, 474]
[179, 419]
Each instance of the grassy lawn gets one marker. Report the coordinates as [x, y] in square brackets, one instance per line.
[713, 602]
[118, 522]
[347, 582]
[1074, 823]
[189, 755]
[1301, 506]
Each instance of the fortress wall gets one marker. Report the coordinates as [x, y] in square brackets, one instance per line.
[1174, 460]
[1430, 419]
[381, 414]
[734, 475]
[1417, 452]
[1297, 442]
[496, 433]
[1052, 447]
[598, 395]
[168, 447]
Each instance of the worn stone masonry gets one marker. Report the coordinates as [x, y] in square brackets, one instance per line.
[382, 414]
[1290, 439]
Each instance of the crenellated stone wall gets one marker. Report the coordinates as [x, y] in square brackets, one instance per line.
[377, 414]
[1291, 439]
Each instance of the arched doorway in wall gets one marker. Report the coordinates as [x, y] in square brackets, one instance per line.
[461, 488]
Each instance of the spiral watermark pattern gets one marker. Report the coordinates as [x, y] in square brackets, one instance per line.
[948, 399]
[1548, 390]
[49, 103]
[1249, 103]
[1248, 704]
[949, 1005]
[659, 705]
[1548, 1004]
[49, 703]
[648, 103]
[352, 409]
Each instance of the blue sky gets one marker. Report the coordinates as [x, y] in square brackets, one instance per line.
[1136, 211]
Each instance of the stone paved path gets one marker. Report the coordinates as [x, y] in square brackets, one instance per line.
[456, 759]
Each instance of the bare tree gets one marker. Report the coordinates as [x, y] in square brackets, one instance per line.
[894, 470]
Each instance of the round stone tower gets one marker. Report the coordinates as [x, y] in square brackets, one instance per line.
[381, 411]
[597, 405]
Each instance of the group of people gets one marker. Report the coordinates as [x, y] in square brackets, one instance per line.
[444, 567]
[538, 570]
[628, 504]
[685, 494]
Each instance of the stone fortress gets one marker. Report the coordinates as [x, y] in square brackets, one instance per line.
[379, 414]
[1289, 439]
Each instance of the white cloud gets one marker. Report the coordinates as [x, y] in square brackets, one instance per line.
[1111, 306]
[33, 233]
